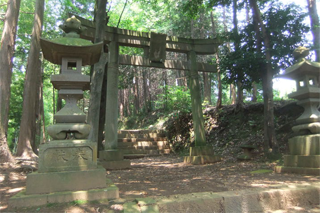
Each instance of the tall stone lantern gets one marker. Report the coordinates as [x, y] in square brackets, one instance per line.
[68, 167]
[304, 156]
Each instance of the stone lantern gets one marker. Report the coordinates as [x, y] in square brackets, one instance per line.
[304, 148]
[68, 167]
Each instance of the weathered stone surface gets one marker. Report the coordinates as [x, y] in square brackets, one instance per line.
[305, 145]
[67, 155]
[314, 128]
[115, 165]
[43, 183]
[111, 155]
[311, 161]
[298, 170]
[59, 131]
[23, 200]
[67, 81]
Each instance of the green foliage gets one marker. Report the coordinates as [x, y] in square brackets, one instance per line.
[174, 98]
[286, 29]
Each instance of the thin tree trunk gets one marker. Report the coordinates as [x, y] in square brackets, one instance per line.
[315, 26]
[102, 117]
[42, 108]
[254, 92]
[136, 92]
[214, 32]
[145, 90]
[98, 73]
[239, 103]
[270, 141]
[31, 87]
[6, 54]
[36, 136]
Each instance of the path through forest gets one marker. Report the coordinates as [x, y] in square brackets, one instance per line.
[162, 176]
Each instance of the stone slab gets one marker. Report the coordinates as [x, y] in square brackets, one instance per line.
[115, 165]
[298, 170]
[305, 145]
[67, 155]
[312, 161]
[43, 183]
[254, 200]
[23, 200]
[203, 159]
[111, 155]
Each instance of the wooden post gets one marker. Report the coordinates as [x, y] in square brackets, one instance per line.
[197, 116]
[111, 123]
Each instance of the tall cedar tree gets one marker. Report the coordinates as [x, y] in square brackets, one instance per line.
[6, 55]
[31, 87]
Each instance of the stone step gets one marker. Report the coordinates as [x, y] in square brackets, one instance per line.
[141, 139]
[141, 147]
[143, 144]
[140, 151]
[139, 135]
[140, 131]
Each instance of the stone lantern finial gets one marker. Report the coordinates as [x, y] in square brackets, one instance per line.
[72, 27]
[300, 53]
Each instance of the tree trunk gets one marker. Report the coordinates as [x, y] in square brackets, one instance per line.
[102, 117]
[145, 90]
[233, 96]
[97, 77]
[239, 102]
[315, 26]
[6, 55]
[254, 92]
[31, 87]
[270, 141]
[214, 32]
[136, 92]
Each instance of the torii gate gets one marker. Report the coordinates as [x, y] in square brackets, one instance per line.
[155, 47]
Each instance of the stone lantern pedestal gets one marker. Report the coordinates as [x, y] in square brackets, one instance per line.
[68, 168]
[304, 156]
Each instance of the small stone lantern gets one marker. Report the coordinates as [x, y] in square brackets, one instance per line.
[68, 167]
[304, 148]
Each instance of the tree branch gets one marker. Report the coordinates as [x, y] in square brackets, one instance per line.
[125, 4]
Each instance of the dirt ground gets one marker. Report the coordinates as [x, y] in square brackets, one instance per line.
[160, 176]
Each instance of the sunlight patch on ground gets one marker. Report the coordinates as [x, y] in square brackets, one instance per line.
[2, 177]
[3, 207]
[14, 190]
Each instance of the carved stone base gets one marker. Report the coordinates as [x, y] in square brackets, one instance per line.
[43, 183]
[67, 155]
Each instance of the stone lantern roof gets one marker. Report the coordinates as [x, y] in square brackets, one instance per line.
[302, 67]
[71, 45]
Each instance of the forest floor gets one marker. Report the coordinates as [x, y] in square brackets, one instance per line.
[161, 176]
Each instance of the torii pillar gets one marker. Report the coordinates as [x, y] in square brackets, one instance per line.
[201, 153]
[112, 158]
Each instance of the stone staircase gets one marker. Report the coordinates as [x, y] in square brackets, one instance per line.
[141, 143]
